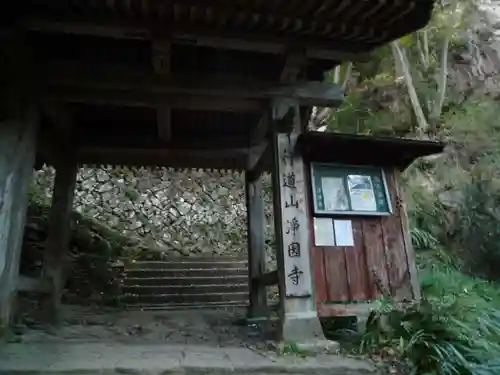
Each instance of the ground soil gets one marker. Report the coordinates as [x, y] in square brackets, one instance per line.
[217, 327]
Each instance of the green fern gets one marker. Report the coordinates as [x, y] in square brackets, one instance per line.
[422, 240]
[454, 330]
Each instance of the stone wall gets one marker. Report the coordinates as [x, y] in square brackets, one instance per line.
[190, 212]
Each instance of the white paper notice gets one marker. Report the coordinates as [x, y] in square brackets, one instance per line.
[334, 194]
[323, 232]
[361, 192]
[343, 233]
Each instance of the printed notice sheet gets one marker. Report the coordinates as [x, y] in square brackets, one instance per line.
[323, 232]
[361, 193]
[343, 233]
[334, 194]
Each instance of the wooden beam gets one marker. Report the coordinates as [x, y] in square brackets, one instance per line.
[348, 309]
[262, 43]
[17, 157]
[405, 228]
[256, 154]
[164, 122]
[256, 243]
[292, 237]
[56, 245]
[52, 146]
[161, 56]
[261, 130]
[303, 93]
[181, 144]
[209, 144]
[294, 65]
[215, 158]
[264, 163]
[267, 279]
[134, 99]
[61, 120]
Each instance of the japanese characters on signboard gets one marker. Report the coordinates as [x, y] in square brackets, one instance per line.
[298, 282]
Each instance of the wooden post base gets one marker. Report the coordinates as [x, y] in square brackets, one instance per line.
[256, 245]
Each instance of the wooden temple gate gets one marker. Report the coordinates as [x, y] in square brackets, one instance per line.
[181, 83]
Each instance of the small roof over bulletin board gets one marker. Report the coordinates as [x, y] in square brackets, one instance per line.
[364, 150]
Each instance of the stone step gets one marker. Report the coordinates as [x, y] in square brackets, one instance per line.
[187, 306]
[200, 258]
[207, 272]
[186, 298]
[191, 264]
[184, 289]
[212, 280]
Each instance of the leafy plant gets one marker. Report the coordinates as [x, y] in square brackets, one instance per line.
[421, 239]
[453, 330]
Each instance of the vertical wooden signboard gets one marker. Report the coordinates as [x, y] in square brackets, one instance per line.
[295, 235]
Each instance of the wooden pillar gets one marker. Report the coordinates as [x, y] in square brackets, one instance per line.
[256, 243]
[299, 319]
[57, 242]
[17, 158]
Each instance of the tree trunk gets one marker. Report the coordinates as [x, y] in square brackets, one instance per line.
[442, 81]
[402, 61]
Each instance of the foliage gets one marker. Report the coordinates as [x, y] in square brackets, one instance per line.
[369, 109]
[414, 88]
[455, 329]
[406, 89]
[428, 216]
[421, 239]
[478, 229]
[94, 248]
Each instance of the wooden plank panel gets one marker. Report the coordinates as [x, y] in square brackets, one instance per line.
[336, 275]
[319, 276]
[373, 244]
[410, 253]
[357, 272]
[336, 309]
[394, 246]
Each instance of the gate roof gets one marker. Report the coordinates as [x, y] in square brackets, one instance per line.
[188, 83]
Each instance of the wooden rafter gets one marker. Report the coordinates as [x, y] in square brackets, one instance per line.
[187, 144]
[117, 97]
[303, 93]
[217, 159]
[271, 44]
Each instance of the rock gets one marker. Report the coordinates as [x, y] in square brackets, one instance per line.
[135, 330]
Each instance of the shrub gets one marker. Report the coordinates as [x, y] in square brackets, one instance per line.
[455, 329]
[477, 229]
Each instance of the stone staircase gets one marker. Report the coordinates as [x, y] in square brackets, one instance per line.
[186, 283]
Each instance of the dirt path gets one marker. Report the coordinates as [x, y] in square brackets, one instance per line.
[222, 328]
